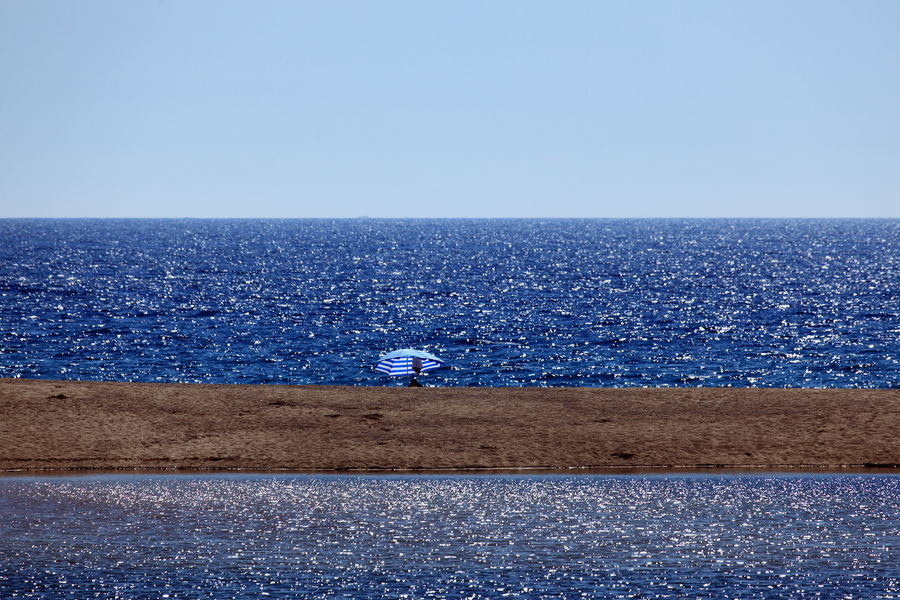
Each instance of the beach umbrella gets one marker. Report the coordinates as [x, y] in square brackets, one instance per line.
[405, 361]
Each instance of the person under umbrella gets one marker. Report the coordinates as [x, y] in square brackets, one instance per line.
[417, 368]
[408, 361]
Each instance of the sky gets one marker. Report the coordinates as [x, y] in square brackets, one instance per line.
[507, 108]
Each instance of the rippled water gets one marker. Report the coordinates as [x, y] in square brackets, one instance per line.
[506, 302]
[252, 536]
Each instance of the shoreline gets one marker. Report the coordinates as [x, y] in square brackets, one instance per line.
[52, 427]
[768, 471]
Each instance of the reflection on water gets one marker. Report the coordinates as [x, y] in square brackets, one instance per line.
[252, 536]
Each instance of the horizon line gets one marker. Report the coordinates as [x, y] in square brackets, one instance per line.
[461, 218]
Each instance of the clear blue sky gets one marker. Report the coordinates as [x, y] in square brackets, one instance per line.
[345, 108]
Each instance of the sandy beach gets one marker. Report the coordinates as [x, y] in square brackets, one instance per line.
[67, 425]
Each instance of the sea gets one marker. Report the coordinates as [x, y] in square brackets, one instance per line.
[505, 302]
[460, 537]
[598, 303]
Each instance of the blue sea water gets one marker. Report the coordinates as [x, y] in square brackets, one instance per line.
[295, 536]
[768, 303]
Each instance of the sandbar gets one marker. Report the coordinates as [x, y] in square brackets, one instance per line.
[100, 426]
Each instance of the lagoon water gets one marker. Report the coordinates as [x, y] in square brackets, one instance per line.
[305, 536]
[769, 303]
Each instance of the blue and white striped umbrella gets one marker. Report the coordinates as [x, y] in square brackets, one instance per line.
[400, 362]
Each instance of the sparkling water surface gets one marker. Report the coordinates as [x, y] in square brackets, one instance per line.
[800, 303]
[253, 536]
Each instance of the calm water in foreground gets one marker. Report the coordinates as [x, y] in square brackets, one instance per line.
[253, 536]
